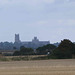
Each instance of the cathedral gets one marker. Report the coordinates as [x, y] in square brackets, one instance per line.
[35, 43]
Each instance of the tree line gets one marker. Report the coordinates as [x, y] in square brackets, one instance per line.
[66, 49]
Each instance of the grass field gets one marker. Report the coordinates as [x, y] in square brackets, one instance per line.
[39, 67]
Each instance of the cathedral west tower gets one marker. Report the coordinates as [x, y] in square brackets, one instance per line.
[17, 38]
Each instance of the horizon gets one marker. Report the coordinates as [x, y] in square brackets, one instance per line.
[52, 20]
[32, 39]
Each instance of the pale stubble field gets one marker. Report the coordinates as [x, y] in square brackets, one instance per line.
[39, 67]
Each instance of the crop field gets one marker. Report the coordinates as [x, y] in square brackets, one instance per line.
[38, 67]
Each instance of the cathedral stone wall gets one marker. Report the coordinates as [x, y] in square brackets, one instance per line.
[35, 43]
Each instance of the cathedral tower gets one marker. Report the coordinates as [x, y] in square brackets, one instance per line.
[17, 39]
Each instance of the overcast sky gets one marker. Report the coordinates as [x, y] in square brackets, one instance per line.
[52, 20]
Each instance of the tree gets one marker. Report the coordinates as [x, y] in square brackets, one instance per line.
[45, 49]
[64, 50]
[24, 51]
[17, 53]
[14, 48]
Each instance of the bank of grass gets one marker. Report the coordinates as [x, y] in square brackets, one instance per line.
[24, 58]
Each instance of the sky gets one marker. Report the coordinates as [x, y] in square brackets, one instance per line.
[51, 20]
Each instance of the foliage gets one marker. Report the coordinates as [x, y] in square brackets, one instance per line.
[24, 51]
[65, 50]
[45, 49]
[16, 53]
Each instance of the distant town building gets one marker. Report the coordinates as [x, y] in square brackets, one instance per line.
[35, 43]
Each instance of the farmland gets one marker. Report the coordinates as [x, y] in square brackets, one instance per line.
[38, 67]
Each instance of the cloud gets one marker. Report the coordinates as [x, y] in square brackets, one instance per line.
[70, 22]
[2, 2]
[31, 2]
[48, 1]
[58, 22]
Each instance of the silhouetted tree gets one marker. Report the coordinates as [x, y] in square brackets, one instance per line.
[64, 50]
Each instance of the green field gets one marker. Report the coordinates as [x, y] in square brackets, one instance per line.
[39, 67]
